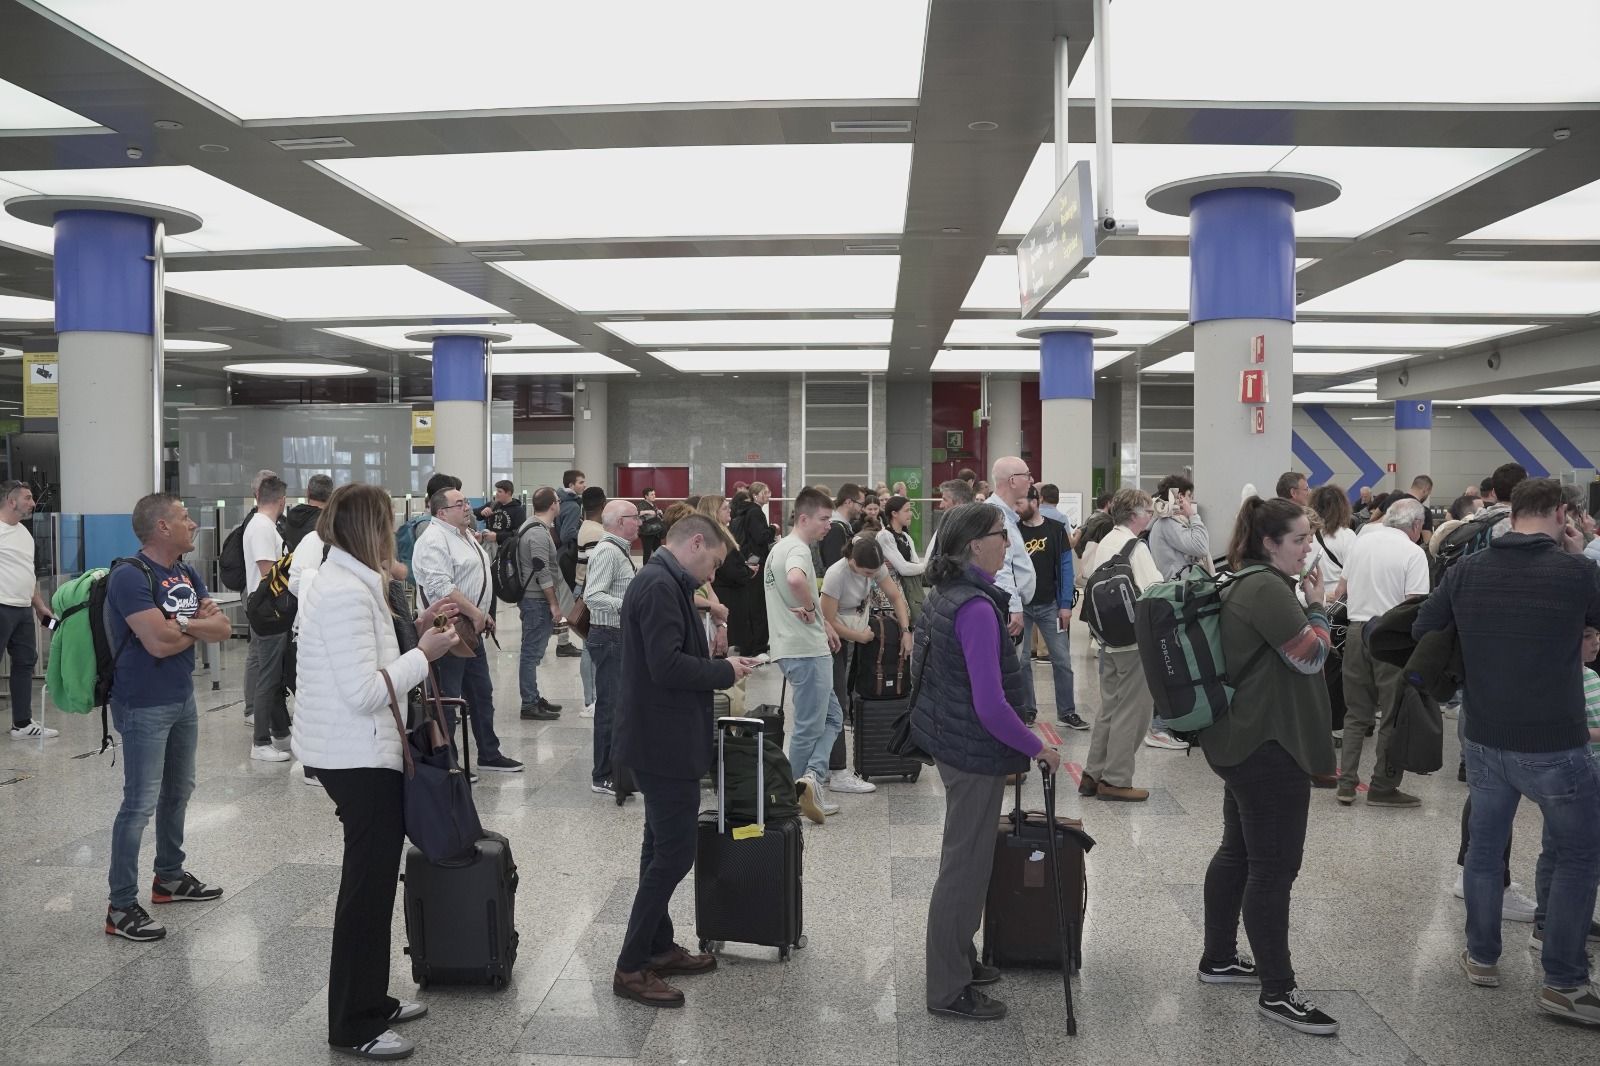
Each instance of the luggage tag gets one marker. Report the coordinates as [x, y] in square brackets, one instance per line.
[748, 832]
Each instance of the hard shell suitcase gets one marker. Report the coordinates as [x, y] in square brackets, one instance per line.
[836, 756]
[747, 879]
[875, 721]
[460, 916]
[1020, 925]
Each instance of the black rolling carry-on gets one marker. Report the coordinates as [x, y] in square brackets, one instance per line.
[1020, 923]
[460, 920]
[875, 720]
[747, 879]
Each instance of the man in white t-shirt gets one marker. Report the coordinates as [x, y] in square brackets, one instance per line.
[20, 603]
[263, 667]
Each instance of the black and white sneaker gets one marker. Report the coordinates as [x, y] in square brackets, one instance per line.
[134, 923]
[1239, 970]
[186, 888]
[386, 1046]
[604, 788]
[408, 1011]
[1072, 721]
[1294, 1010]
[500, 764]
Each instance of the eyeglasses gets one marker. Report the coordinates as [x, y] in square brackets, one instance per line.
[453, 506]
[1025, 474]
[992, 533]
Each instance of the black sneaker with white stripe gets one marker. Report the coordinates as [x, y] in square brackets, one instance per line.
[134, 923]
[1239, 970]
[1298, 1013]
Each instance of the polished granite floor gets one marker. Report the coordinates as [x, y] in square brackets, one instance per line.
[243, 980]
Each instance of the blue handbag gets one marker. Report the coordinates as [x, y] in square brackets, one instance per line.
[440, 816]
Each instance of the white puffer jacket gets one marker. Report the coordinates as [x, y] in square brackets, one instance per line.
[342, 719]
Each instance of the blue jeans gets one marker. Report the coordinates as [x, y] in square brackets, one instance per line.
[1567, 789]
[1044, 617]
[586, 674]
[818, 718]
[604, 648]
[537, 625]
[470, 678]
[158, 745]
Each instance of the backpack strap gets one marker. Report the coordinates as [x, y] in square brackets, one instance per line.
[1329, 551]
[116, 657]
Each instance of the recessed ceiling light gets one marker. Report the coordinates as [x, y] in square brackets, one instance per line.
[399, 240]
[983, 126]
[218, 329]
[1417, 234]
[167, 124]
[214, 148]
[951, 229]
[175, 345]
[306, 144]
[869, 125]
[295, 370]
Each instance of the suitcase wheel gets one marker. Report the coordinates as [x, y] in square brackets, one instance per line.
[905, 777]
[622, 797]
[801, 942]
[498, 981]
[783, 953]
[711, 946]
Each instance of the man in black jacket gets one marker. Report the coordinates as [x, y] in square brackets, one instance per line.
[662, 733]
[302, 517]
[846, 509]
[1520, 608]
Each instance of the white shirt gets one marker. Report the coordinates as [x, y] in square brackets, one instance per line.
[446, 558]
[1341, 544]
[1384, 567]
[261, 542]
[17, 580]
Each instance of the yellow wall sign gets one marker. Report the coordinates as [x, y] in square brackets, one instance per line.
[41, 385]
[422, 429]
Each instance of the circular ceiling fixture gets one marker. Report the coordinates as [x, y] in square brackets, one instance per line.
[175, 345]
[214, 148]
[167, 124]
[983, 126]
[295, 370]
[10, 353]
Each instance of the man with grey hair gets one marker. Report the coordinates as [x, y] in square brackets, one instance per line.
[1385, 566]
[1016, 578]
[265, 699]
[605, 583]
[448, 563]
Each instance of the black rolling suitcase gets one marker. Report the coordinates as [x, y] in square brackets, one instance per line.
[874, 726]
[460, 916]
[1020, 924]
[747, 879]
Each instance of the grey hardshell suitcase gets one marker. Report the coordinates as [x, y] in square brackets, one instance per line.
[460, 916]
[747, 888]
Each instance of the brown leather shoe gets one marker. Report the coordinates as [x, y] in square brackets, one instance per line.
[678, 960]
[643, 986]
[1126, 795]
[1087, 786]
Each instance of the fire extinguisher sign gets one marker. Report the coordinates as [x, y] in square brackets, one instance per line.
[1252, 386]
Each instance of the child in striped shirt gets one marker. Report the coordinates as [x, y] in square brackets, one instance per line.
[1591, 689]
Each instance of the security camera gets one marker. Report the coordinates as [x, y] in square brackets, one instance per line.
[1494, 360]
[1404, 377]
[1119, 227]
[135, 153]
[580, 386]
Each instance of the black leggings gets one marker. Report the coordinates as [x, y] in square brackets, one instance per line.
[1333, 677]
[1265, 802]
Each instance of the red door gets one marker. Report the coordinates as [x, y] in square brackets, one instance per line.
[770, 476]
[670, 482]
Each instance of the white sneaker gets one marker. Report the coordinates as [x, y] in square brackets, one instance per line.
[408, 1011]
[268, 753]
[386, 1045]
[281, 743]
[806, 792]
[33, 731]
[1515, 906]
[308, 776]
[824, 801]
[1160, 738]
[846, 781]
[587, 712]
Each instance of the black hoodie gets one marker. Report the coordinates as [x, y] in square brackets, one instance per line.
[297, 522]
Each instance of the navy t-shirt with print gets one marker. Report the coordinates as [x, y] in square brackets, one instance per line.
[142, 680]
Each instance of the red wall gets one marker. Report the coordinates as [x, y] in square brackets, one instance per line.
[954, 400]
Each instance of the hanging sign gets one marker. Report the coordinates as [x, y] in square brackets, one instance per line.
[422, 429]
[1252, 386]
[41, 385]
[1060, 244]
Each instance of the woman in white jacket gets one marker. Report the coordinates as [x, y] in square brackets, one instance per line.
[900, 552]
[344, 729]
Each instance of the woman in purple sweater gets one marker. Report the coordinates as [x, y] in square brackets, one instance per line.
[965, 713]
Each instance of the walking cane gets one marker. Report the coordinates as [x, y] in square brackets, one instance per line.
[1049, 781]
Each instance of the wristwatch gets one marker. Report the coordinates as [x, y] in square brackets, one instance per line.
[183, 624]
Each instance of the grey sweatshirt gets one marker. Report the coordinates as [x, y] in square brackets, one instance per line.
[1174, 544]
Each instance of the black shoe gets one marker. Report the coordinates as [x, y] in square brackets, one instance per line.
[985, 975]
[535, 713]
[546, 705]
[1029, 717]
[187, 887]
[568, 651]
[1088, 786]
[1239, 970]
[500, 764]
[134, 923]
[604, 788]
[1461, 772]
[974, 1006]
[1072, 721]
[1294, 1010]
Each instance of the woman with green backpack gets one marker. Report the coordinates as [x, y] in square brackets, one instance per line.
[1266, 748]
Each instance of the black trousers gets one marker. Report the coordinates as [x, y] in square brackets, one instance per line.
[671, 811]
[1333, 677]
[18, 640]
[371, 806]
[1265, 802]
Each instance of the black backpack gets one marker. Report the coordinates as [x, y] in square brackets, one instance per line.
[1469, 538]
[271, 608]
[881, 671]
[510, 583]
[105, 658]
[567, 560]
[1109, 597]
[230, 560]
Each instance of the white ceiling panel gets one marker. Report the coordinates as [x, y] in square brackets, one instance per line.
[419, 55]
[330, 293]
[26, 309]
[1478, 51]
[865, 361]
[1574, 216]
[1379, 184]
[1439, 286]
[548, 363]
[23, 110]
[598, 193]
[1399, 335]
[523, 335]
[296, 370]
[745, 332]
[716, 283]
[1003, 331]
[1305, 362]
[1006, 360]
[1112, 283]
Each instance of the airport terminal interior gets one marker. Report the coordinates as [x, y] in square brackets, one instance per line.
[1059, 249]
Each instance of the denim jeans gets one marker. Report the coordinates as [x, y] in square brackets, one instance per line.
[818, 718]
[586, 674]
[537, 625]
[470, 678]
[1566, 788]
[158, 746]
[604, 648]
[1044, 617]
[20, 643]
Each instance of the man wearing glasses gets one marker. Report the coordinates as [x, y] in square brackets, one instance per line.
[449, 564]
[606, 582]
[1016, 578]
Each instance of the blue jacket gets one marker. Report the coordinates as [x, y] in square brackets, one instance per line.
[570, 518]
[663, 724]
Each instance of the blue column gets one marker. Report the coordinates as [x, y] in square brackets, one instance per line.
[1241, 255]
[1066, 365]
[1413, 440]
[1066, 415]
[461, 412]
[458, 363]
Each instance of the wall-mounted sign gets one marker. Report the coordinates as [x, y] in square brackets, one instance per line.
[752, 457]
[422, 429]
[1252, 386]
[1394, 468]
[1258, 420]
[41, 385]
[1258, 348]
[954, 440]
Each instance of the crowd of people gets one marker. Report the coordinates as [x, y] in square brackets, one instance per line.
[725, 590]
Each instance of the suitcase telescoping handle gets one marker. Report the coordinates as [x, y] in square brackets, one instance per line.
[1061, 907]
[759, 727]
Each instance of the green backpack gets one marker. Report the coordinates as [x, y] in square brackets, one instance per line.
[1179, 628]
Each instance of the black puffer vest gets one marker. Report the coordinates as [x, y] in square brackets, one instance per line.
[944, 722]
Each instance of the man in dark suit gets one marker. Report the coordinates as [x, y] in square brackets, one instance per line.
[662, 733]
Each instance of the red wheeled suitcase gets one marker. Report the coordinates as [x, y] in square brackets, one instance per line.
[460, 916]
[747, 879]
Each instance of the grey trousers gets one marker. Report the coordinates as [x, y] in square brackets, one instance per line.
[263, 686]
[1370, 687]
[971, 821]
[1125, 709]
